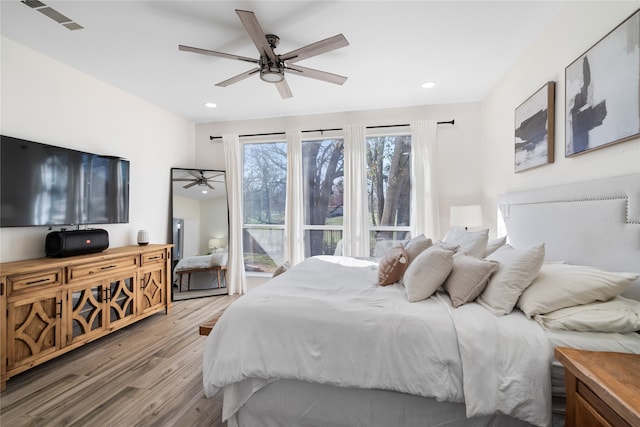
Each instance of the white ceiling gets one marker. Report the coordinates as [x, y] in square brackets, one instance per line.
[395, 46]
[216, 179]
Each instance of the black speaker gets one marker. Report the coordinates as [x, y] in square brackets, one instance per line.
[76, 242]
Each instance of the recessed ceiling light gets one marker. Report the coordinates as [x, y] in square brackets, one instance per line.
[428, 85]
[210, 105]
[204, 191]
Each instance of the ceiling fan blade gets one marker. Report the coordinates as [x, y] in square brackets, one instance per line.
[251, 24]
[214, 176]
[209, 185]
[218, 54]
[195, 175]
[183, 179]
[284, 89]
[315, 74]
[190, 185]
[317, 48]
[238, 78]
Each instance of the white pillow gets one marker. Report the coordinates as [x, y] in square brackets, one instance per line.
[618, 315]
[493, 245]
[472, 243]
[565, 285]
[518, 268]
[219, 258]
[468, 278]
[427, 273]
[338, 251]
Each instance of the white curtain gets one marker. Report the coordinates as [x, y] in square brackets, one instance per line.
[236, 281]
[355, 238]
[424, 187]
[294, 235]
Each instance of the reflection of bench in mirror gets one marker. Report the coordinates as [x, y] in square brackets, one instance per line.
[214, 263]
[221, 271]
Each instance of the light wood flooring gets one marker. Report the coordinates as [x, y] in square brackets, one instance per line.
[147, 374]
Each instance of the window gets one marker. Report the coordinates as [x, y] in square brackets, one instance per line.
[264, 185]
[323, 189]
[388, 182]
[389, 190]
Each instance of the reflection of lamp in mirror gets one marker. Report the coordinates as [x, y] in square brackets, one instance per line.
[466, 216]
[215, 244]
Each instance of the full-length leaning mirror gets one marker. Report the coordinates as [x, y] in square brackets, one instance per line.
[200, 218]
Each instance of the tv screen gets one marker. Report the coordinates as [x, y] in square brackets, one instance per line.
[46, 185]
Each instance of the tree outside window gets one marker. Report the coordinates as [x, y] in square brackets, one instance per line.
[389, 190]
[264, 195]
[323, 190]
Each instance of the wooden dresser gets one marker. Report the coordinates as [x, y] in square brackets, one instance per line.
[53, 305]
[603, 388]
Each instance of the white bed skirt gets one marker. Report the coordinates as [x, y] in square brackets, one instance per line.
[298, 403]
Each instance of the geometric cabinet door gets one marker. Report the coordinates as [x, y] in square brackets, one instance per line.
[100, 305]
[152, 289]
[121, 301]
[33, 328]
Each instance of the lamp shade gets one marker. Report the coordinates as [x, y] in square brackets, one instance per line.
[466, 216]
[214, 243]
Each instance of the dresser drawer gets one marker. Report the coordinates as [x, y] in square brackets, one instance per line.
[32, 281]
[592, 411]
[82, 271]
[157, 257]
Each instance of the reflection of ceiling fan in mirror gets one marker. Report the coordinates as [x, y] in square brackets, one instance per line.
[272, 66]
[200, 179]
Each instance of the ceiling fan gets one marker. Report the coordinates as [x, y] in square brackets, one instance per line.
[272, 66]
[199, 179]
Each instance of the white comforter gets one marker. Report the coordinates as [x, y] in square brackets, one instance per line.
[327, 321]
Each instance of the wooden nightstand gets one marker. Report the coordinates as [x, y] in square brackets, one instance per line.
[603, 388]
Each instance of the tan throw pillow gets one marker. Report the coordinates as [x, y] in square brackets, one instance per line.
[468, 278]
[416, 246]
[565, 285]
[392, 266]
[427, 272]
[518, 268]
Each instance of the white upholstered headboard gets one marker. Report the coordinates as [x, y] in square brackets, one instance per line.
[588, 223]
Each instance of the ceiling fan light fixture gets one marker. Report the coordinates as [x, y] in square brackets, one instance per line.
[271, 74]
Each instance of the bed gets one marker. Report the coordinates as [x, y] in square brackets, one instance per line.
[325, 344]
[201, 271]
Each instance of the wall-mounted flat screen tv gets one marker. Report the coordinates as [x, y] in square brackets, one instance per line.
[46, 185]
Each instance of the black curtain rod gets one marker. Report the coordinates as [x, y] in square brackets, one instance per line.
[448, 122]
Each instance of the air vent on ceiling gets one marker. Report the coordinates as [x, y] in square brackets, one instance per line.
[53, 14]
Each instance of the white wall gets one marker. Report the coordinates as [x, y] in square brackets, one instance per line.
[214, 220]
[458, 146]
[580, 25]
[46, 101]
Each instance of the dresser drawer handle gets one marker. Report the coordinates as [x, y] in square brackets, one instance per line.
[33, 282]
[151, 258]
[107, 267]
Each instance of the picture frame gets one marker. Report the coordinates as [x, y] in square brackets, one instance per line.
[535, 129]
[602, 87]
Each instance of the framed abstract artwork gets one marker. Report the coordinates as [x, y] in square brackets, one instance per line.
[534, 129]
[602, 91]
